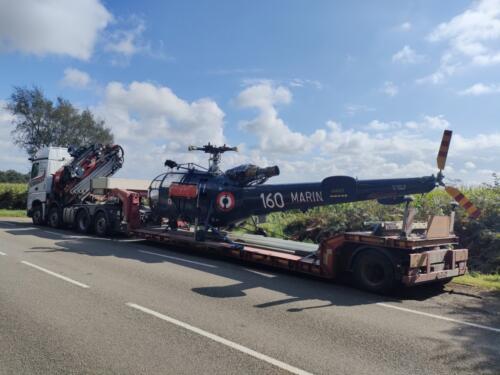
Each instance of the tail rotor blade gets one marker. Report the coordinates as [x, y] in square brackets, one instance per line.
[465, 203]
[443, 149]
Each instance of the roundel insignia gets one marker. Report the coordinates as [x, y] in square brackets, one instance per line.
[225, 201]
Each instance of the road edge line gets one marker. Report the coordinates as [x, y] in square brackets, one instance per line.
[439, 317]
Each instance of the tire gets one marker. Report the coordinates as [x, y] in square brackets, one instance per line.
[82, 222]
[101, 224]
[374, 272]
[54, 218]
[37, 216]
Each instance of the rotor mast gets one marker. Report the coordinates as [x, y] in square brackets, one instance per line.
[215, 155]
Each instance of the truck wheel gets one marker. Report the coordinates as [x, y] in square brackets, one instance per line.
[37, 216]
[374, 272]
[101, 225]
[54, 218]
[83, 222]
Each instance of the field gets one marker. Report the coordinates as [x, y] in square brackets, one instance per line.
[12, 213]
[13, 196]
[480, 280]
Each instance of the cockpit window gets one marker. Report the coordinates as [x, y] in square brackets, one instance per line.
[34, 170]
[171, 178]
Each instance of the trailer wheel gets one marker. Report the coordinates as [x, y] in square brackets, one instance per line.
[101, 225]
[37, 216]
[54, 218]
[83, 223]
[374, 272]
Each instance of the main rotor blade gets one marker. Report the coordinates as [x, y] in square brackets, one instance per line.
[443, 149]
[462, 200]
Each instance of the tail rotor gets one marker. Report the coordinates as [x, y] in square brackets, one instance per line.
[460, 198]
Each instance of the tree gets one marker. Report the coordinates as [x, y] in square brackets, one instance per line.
[39, 122]
[12, 176]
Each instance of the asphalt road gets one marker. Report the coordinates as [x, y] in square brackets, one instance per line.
[72, 304]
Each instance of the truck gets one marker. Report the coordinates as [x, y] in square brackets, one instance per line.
[74, 188]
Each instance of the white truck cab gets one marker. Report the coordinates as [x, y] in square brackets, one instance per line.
[44, 164]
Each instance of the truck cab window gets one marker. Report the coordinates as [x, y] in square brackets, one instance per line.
[34, 170]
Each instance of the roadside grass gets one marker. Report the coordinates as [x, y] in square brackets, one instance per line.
[480, 280]
[12, 213]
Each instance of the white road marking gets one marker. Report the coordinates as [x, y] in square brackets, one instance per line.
[1, 253]
[440, 317]
[260, 273]
[221, 340]
[56, 275]
[177, 258]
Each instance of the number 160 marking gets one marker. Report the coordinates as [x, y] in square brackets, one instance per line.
[272, 200]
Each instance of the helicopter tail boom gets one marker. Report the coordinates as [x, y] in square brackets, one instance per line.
[332, 190]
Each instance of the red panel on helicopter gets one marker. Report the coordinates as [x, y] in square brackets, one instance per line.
[183, 191]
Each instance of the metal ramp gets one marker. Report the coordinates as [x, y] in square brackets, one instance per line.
[277, 244]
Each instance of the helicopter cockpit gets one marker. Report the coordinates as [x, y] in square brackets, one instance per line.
[160, 186]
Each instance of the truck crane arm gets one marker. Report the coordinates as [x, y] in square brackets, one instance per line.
[71, 182]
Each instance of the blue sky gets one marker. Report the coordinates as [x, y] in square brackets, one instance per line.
[318, 87]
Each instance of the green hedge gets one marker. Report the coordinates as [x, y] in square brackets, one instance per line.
[13, 196]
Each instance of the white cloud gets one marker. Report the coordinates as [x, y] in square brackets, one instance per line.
[390, 89]
[52, 27]
[397, 153]
[474, 33]
[407, 55]
[353, 109]
[480, 89]
[382, 126]
[75, 78]
[382, 150]
[405, 26]
[11, 157]
[128, 42]
[448, 67]
[429, 122]
[273, 134]
[472, 39]
[153, 124]
[301, 82]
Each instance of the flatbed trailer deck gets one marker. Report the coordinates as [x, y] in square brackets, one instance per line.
[413, 261]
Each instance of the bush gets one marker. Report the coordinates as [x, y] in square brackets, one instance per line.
[13, 196]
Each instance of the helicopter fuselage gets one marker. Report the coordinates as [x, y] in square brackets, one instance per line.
[204, 198]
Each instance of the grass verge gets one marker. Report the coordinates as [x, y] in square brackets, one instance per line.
[12, 213]
[480, 280]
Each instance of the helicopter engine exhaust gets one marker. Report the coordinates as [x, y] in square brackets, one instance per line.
[249, 173]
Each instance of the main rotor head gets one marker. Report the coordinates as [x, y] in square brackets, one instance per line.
[215, 152]
[212, 149]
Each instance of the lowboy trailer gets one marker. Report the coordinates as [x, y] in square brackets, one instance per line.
[377, 262]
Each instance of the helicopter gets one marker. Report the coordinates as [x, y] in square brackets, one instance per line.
[211, 199]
